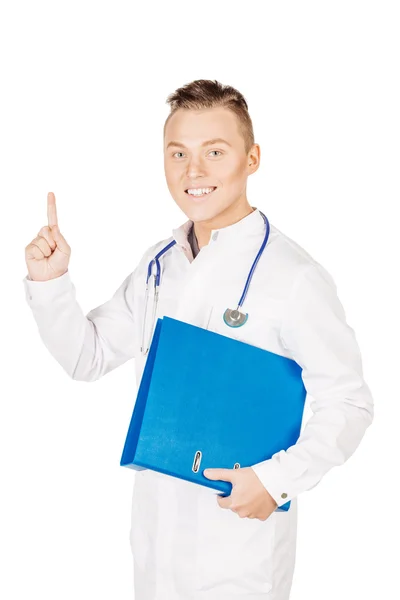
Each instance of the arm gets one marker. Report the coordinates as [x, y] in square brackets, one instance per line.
[87, 347]
[315, 332]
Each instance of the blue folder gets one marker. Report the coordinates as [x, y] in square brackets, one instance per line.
[208, 400]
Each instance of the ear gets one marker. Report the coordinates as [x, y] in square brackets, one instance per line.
[254, 157]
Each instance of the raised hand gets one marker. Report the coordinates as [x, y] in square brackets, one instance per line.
[48, 254]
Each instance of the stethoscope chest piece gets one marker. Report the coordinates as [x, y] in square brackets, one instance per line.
[235, 318]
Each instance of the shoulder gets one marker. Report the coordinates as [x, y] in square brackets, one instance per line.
[154, 249]
[291, 256]
[289, 252]
[149, 254]
[289, 264]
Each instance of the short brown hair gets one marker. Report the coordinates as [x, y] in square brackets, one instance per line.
[207, 93]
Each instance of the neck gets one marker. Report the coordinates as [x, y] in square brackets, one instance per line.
[229, 216]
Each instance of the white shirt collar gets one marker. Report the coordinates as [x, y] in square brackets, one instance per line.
[252, 224]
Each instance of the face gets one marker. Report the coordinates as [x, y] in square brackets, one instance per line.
[205, 149]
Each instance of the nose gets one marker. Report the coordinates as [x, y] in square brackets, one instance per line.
[195, 168]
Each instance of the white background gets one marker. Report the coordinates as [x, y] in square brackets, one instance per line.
[83, 96]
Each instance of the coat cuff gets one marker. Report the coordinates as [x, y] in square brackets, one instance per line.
[277, 484]
[44, 292]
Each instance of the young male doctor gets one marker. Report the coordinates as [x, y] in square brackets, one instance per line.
[187, 543]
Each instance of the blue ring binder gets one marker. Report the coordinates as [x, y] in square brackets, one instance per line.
[188, 403]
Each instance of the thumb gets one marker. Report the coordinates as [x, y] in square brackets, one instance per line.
[220, 474]
[60, 240]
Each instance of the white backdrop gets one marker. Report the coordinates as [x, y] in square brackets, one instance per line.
[83, 96]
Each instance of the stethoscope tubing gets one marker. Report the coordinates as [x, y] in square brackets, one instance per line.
[157, 278]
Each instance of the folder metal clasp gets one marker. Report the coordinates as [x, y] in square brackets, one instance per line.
[196, 462]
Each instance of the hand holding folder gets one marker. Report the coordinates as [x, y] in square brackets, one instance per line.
[248, 498]
[207, 400]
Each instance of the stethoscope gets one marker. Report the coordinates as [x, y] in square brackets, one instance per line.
[232, 317]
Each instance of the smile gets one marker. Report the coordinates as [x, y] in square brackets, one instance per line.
[200, 192]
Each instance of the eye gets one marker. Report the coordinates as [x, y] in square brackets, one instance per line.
[216, 151]
[177, 153]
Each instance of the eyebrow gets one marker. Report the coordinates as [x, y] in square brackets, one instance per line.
[207, 143]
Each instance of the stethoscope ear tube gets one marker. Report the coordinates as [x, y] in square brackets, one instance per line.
[146, 299]
[144, 350]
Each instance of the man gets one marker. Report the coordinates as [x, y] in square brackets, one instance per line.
[186, 543]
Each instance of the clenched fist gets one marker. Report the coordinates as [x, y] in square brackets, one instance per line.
[47, 256]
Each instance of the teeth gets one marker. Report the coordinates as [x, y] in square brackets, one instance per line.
[200, 191]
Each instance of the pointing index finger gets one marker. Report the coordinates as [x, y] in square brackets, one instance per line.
[51, 209]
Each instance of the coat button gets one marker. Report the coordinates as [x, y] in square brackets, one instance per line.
[284, 495]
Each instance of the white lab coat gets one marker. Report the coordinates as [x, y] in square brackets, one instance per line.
[184, 545]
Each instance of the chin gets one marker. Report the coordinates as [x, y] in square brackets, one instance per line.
[202, 213]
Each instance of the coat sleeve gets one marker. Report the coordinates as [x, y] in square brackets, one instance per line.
[316, 335]
[87, 347]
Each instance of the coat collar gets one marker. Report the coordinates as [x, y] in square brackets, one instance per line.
[248, 226]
